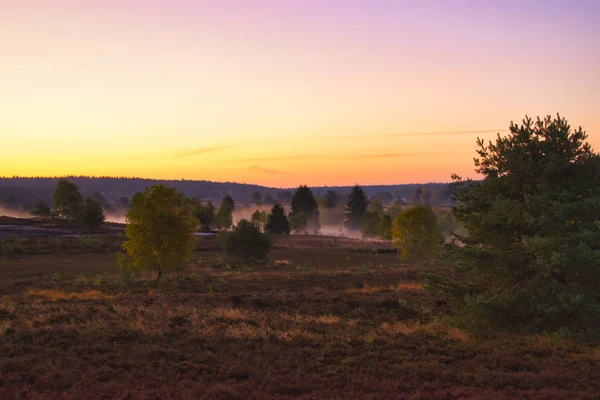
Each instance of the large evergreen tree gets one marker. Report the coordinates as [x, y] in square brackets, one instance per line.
[356, 207]
[532, 255]
[228, 202]
[277, 222]
[304, 201]
[331, 199]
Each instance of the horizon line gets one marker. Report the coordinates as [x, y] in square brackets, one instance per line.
[209, 181]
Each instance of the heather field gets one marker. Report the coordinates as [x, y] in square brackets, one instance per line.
[322, 318]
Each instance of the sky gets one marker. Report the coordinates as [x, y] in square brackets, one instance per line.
[285, 92]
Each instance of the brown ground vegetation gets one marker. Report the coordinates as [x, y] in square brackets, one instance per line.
[322, 319]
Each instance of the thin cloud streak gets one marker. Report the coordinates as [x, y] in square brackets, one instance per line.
[333, 156]
[449, 133]
[376, 136]
[267, 171]
[200, 151]
[390, 155]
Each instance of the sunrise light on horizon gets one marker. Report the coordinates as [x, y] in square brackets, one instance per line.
[282, 93]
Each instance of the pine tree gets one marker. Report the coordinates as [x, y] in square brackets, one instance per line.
[532, 255]
[304, 201]
[356, 207]
[277, 222]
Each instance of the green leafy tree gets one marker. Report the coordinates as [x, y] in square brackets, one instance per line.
[68, 202]
[246, 242]
[299, 223]
[160, 230]
[224, 217]
[356, 207]
[41, 210]
[277, 221]
[417, 236]
[531, 259]
[206, 216]
[375, 205]
[92, 214]
[371, 223]
[259, 218]
[304, 201]
[385, 227]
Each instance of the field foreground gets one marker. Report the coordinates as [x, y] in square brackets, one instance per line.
[321, 319]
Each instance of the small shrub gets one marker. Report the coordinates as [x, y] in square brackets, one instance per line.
[92, 215]
[57, 276]
[11, 247]
[125, 264]
[90, 243]
[101, 279]
[246, 241]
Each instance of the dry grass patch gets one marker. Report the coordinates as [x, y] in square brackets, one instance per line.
[408, 286]
[436, 329]
[246, 331]
[232, 314]
[328, 319]
[54, 295]
[7, 303]
[403, 286]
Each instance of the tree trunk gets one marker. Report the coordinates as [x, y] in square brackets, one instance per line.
[159, 274]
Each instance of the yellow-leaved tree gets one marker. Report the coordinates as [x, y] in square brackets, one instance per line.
[160, 230]
[417, 236]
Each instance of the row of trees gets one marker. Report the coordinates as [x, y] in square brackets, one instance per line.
[530, 260]
[68, 204]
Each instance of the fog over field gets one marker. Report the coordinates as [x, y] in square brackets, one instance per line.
[13, 214]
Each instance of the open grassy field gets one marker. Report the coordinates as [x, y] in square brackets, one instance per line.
[324, 318]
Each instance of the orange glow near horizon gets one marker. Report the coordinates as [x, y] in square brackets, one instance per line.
[281, 94]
